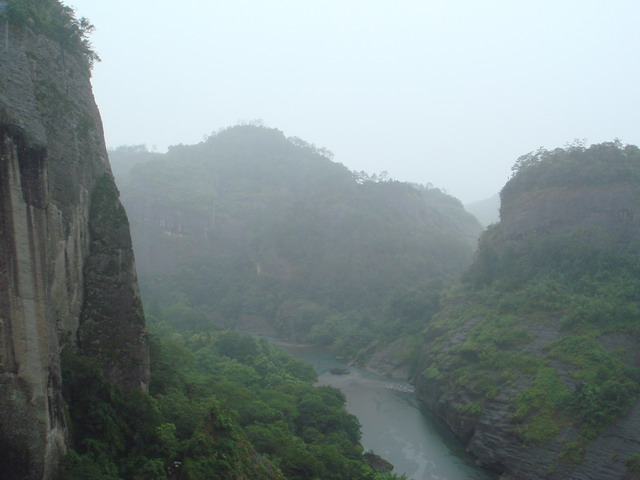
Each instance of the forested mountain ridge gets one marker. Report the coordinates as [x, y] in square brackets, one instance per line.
[250, 226]
[533, 360]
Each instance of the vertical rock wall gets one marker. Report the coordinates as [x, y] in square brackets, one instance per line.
[58, 269]
[31, 426]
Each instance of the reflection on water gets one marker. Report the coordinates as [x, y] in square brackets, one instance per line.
[395, 425]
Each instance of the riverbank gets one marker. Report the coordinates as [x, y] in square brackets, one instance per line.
[395, 424]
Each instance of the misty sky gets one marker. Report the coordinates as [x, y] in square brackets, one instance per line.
[447, 92]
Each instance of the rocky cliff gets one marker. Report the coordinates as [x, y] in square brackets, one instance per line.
[533, 361]
[68, 277]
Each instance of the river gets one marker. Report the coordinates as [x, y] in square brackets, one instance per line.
[395, 424]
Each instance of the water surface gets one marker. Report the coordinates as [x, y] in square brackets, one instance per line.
[395, 424]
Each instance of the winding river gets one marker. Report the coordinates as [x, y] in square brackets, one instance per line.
[395, 424]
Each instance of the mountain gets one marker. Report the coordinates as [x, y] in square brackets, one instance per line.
[533, 361]
[68, 278]
[487, 211]
[254, 229]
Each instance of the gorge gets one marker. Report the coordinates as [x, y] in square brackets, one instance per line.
[533, 360]
[395, 423]
[529, 360]
[521, 339]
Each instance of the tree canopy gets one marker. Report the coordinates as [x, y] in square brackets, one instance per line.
[251, 223]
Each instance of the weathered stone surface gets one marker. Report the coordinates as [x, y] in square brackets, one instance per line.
[612, 208]
[491, 434]
[377, 463]
[52, 155]
[391, 361]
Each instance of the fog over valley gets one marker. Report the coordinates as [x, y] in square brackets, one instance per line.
[450, 93]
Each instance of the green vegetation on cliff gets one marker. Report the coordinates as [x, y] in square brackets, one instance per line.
[549, 320]
[250, 227]
[222, 406]
[56, 21]
[575, 165]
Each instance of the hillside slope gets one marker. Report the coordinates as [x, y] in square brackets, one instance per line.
[534, 360]
[250, 227]
[487, 211]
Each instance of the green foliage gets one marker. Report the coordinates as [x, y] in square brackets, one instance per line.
[573, 452]
[431, 372]
[541, 404]
[55, 20]
[301, 429]
[222, 405]
[125, 157]
[409, 308]
[92, 401]
[114, 435]
[596, 404]
[599, 164]
[469, 408]
[346, 333]
[108, 219]
[75, 466]
[633, 464]
[579, 287]
[291, 238]
[573, 256]
[299, 316]
[591, 293]
[389, 476]
[182, 316]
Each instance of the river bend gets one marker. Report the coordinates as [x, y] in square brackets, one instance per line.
[395, 424]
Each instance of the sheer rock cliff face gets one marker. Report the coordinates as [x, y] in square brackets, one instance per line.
[67, 273]
[612, 208]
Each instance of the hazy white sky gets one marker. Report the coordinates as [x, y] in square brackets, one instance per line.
[449, 92]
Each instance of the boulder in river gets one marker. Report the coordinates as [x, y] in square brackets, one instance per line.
[340, 370]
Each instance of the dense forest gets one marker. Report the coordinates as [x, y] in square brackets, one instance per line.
[251, 229]
[221, 405]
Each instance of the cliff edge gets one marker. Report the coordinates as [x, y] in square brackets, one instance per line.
[533, 361]
[68, 276]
